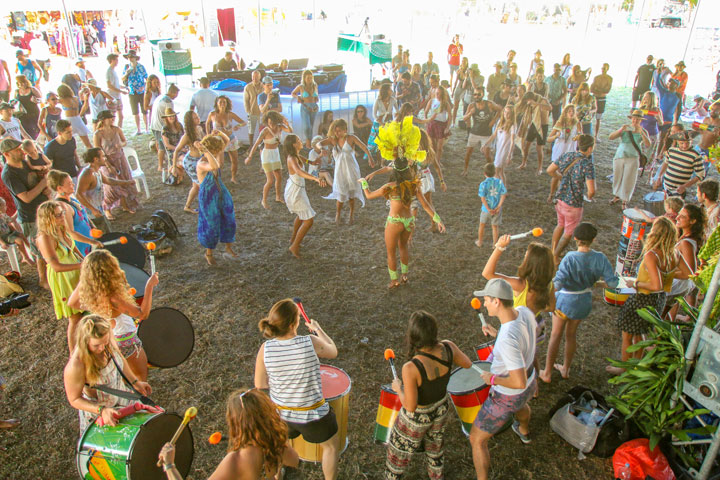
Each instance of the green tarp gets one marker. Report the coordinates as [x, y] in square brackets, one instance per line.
[375, 52]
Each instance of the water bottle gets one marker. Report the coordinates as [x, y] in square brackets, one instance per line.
[596, 416]
[625, 472]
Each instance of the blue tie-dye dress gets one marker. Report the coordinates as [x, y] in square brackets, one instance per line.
[216, 212]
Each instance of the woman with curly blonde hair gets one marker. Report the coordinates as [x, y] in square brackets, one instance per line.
[257, 444]
[96, 360]
[103, 290]
[56, 243]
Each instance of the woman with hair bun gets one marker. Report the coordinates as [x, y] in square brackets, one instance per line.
[257, 446]
[288, 364]
[423, 394]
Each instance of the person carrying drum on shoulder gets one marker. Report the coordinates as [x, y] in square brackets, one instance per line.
[512, 375]
[103, 290]
[577, 274]
[288, 365]
[425, 405]
[96, 361]
[257, 441]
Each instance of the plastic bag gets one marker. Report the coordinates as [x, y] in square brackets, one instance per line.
[643, 462]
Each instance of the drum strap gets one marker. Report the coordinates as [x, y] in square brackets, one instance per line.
[134, 395]
[302, 409]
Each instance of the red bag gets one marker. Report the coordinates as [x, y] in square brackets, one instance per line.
[642, 460]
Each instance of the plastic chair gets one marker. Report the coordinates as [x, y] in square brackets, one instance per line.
[12, 253]
[137, 173]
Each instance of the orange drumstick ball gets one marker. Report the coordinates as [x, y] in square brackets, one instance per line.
[95, 233]
[389, 353]
[476, 303]
[151, 246]
[123, 240]
[132, 291]
[215, 438]
[537, 231]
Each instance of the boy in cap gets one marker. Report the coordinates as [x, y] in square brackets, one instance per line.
[575, 277]
[511, 376]
[12, 126]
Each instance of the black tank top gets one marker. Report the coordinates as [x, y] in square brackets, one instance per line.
[481, 118]
[432, 391]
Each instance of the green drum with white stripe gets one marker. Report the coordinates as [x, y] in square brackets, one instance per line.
[129, 450]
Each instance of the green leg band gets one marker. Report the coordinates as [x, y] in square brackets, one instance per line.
[404, 268]
[393, 274]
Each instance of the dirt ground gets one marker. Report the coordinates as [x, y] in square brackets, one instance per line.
[342, 280]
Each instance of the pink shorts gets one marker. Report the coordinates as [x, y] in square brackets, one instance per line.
[568, 217]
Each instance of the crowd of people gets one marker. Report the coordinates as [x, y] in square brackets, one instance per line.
[51, 200]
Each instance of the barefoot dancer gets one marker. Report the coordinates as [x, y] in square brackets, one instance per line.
[222, 119]
[216, 219]
[296, 197]
[400, 191]
[275, 124]
[193, 133]
[347, 171]
[576, 275]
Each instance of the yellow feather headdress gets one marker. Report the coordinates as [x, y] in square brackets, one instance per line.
[397, 140]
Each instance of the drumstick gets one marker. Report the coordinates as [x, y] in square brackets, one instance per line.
[390, 357]
[121, 240]
[477, 368]
[216, 438]
[190, 413]
[151, 247]
[535, 232]
[298, 302]
[477, 305]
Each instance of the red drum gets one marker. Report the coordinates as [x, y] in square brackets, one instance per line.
[468, 392]
[484, 351]
[387, 413]
[634, 225]
[136, 278]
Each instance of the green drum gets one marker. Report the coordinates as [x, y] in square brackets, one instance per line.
[129, 450]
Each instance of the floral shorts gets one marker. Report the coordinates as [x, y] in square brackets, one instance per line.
[129, 345]
[499, 408]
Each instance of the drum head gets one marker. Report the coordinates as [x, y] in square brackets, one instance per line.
[466, 380]
[151, 438]
[168, 337]
[335, 382]
[658, 196]
[136, 278]
[132, 252]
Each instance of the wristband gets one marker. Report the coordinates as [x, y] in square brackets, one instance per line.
[498, 247]
[436, 218]
[492, 380]
[100, 409]
[364, 184]
[168, 466]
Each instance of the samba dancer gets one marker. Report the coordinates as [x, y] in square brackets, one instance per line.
[399, 143]
[288, 364]
[275, 124]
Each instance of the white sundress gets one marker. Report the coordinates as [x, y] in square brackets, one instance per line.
[565, 143]
[296, 197]
[346, 176]
[504, 147]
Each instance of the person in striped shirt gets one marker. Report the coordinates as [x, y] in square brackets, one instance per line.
[681, 162]
[288, 365]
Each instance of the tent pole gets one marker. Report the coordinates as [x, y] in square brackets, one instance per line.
[259, 15]
[692, 29]
[205, 31]
[71, 38]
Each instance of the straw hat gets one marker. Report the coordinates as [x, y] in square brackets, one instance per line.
[636, 113]
[169, 112]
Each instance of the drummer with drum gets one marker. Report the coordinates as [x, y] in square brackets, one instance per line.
[96, 361]
[288, 364]
[512, 375]
[424, 398]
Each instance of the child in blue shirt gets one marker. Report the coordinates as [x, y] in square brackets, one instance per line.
[492, 193]
[576, 275]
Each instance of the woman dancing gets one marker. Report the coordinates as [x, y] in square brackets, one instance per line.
[97, 361]
[112, 140]
[275, 124]
[103, 290]
[652, 121]
[29, 97]
[437, 116]
[425, 405]
[395, 141]
[71, 111]
[296, 197]
[288, 364]
[627, 157]
[57, 246]
[216, 222]
[193, 133]
[564, 133]
[690, 224]
[307, 96]
[257, 443]
[654, 280]
[585, 106]
[383, 109]
[222, 119]
[347, 170]
[504, 139]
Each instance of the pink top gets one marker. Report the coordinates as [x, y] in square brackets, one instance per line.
[4, 85]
